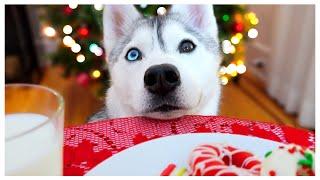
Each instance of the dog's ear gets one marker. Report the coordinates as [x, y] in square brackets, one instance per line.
[116, 19]
[199, 16]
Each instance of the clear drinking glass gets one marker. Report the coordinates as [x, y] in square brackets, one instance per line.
[33, 130]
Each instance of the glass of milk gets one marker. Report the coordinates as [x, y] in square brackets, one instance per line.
[33, 130]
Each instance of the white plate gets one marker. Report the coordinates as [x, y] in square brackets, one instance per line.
[151, 157]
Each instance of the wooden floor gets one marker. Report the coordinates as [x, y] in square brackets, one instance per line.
[242, 100]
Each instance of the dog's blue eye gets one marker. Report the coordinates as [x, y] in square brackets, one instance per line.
[133, 54]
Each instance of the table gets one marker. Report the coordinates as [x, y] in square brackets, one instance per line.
[87, 145]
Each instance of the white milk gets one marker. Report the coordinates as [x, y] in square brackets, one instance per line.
[37, 153]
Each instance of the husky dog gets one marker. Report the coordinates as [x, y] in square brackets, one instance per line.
[161, 67]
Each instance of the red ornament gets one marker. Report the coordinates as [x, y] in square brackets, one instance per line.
[67, 10]
[83, 79]
[237, 27]
[83, 31]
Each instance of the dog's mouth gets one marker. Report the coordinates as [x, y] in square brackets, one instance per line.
[166, 108]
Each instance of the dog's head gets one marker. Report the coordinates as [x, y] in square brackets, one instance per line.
[165, 66]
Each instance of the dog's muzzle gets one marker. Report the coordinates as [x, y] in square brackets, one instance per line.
[161, 79]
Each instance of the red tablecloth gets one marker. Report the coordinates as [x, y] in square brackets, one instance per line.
[87, 145]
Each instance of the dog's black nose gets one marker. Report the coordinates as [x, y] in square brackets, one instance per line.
[161, 79]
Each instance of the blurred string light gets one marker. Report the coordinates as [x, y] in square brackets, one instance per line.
[224, 80]
[234, 73]
[67, 29]
[94, 48]
[161, 11]
[143, 5]
[68, 41]
[96, 74]
[232, 49]
[223, 70]
[49, 31]
[75, 48]
[226, 45]
[239, 36]
[238, 18]
[253, 18]
[225, 18]
[83, 31]
[241, 68]
[80, 58]
[254, 21]
[73, 6]
[98, 7]
[98, 52]
[239, 61]
[253, 33]
[235, 39]
[231, 68]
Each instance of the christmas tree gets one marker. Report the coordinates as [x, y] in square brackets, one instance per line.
[81, 52]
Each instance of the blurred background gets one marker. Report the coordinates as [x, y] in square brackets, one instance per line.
[267, 72]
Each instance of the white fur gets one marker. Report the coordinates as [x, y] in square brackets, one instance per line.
[199, 89]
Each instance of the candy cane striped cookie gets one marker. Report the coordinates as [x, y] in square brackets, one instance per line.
[222, 160]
